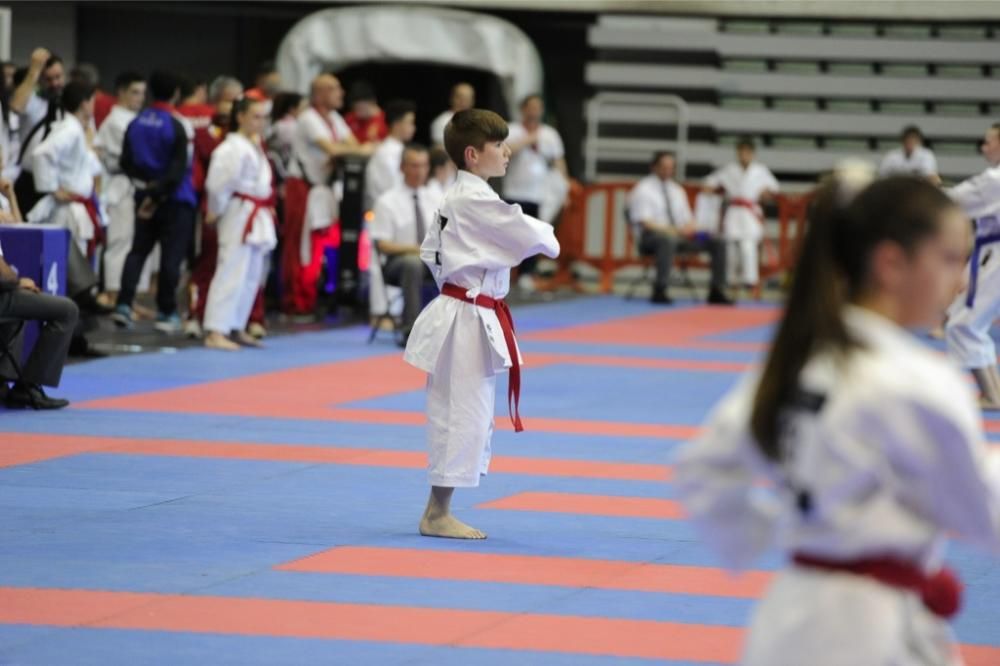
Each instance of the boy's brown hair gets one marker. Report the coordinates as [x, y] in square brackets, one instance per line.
[472, 127]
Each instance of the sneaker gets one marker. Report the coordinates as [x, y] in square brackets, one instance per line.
[718, 297]
[192, 329]
[122, 316]
[168, 323]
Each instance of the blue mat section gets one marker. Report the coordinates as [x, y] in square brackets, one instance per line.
[220, 526]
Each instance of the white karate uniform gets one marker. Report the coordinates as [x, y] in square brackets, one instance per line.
[968, 329]
[743, 227]
[117, 198]
[921, 162]
[438, 125]
[313, 163]
[64, 160]
[238, 166]
[474, 243]
[892, 461]
[34, 112]
[383, 172]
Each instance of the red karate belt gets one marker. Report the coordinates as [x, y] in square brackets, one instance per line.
[507, 326]
[749, 205]
[259, 204]
[95, 219]
[941, 592]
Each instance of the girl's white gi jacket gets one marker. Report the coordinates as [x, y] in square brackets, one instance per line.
[474, 242]
[893, 461]
[240, 166]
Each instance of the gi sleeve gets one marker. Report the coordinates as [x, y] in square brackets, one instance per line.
[45, 161]
[499, 234]
[980, 195]
[223, 178]
[945, 470]
[716, 476]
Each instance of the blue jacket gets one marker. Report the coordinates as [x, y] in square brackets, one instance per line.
[156, 152]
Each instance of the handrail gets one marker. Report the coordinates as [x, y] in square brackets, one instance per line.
[598, 102]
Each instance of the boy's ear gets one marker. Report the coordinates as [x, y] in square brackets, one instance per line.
[471, 155]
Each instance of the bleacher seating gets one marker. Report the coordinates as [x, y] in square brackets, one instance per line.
[813, 92]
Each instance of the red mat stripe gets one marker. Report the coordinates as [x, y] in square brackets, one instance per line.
[533, 570]
[24, 448]
[591, 505]
[401, 624]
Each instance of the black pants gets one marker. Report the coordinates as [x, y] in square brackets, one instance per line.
[527, 266]
[58, 316]
[172, 226]
[409, 273]
[664, 247]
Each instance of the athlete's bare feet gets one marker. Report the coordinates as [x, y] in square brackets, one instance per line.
[448, 527]
[247, 340]
[437, 520]
[216, 340]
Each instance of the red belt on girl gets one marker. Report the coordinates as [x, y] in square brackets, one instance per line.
[941, 592]
[749, 205]
[95, 219]
[259, 204]
[507, 326]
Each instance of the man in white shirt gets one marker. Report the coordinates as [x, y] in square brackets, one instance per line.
[36, 102]
[463, 96]
[402, 216]
[912, 158]
[382, 172]
[660, 214]
[312, 197]
[536, 151]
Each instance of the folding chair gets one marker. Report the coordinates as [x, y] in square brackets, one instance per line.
[387, 316]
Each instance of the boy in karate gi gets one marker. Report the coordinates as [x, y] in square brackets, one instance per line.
[465, 336]
[972, 314]
[745, 183]
[241, 204]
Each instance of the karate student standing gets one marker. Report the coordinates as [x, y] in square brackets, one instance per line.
[745, 183]
[869, 444]
[117, 191]
[241, 203]
[465, 336]
[64, 171]
[967, 331]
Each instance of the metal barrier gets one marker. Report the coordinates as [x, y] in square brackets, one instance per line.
[593, 230]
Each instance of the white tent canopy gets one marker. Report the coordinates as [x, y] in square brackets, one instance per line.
[333, 39]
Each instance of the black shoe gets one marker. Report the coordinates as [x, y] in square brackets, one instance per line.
[717, 297]
[80, 348]
[660, 297]
[32, 396]
[89, 304]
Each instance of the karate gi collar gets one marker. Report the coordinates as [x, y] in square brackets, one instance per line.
[472, 180]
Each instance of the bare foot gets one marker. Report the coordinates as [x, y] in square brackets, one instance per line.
[216, 340]
[449, 527]
[247, 340]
